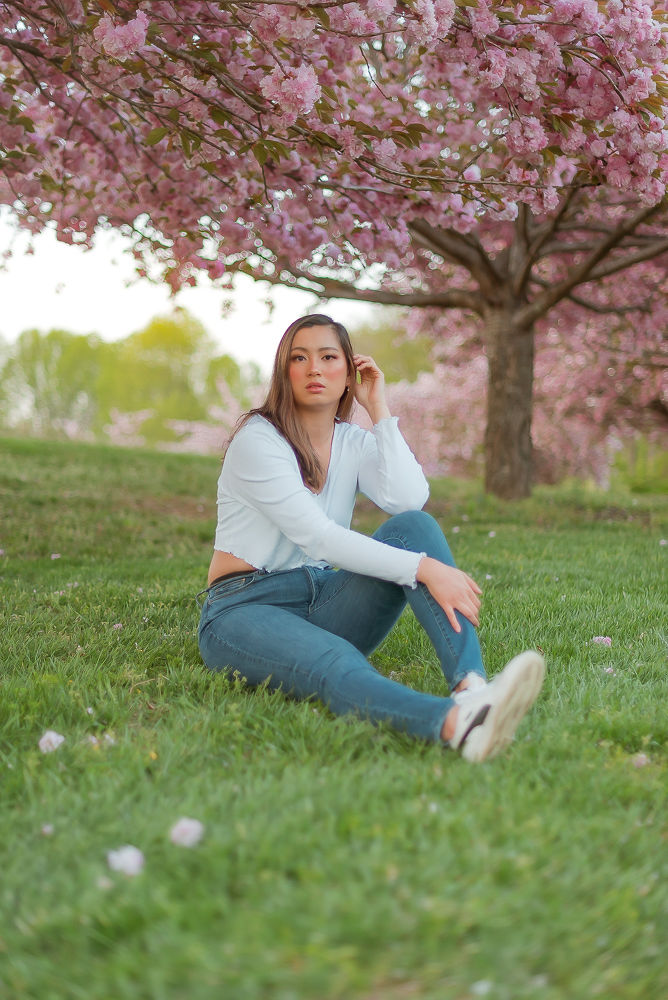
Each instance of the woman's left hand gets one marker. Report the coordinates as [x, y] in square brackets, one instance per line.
[370, 390]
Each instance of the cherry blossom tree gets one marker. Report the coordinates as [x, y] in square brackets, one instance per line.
[503, 160]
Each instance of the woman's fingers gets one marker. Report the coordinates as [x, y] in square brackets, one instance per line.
[452, 618]
[454, 590]
[365, 363]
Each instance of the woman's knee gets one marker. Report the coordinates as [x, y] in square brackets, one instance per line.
[416, 531]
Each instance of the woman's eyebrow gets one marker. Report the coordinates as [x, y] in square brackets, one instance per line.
[317, 348]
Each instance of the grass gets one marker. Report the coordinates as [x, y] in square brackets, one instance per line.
[339, 860]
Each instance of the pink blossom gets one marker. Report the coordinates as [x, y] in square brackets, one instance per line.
[55, 555]
[47, 829]
[640, 760]
[295, 91]
[127, 859]
[50, 741]
[386, 151]
[525, 136]
[215, 269]
[122, 40]
[602, 640]
[118, 625]
[186, 832]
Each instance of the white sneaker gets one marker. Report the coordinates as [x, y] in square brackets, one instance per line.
[488, 717]
[475, 683]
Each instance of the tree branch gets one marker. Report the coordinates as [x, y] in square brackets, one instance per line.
[660, 247]
[608, 310]
[461, 250]
[585, 271]
[334, 288]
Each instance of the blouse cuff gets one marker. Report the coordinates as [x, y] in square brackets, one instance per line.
[385, 424]
[419, 556]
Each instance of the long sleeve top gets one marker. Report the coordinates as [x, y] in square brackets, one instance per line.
[270, 519]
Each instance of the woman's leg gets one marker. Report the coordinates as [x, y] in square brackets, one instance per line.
[252, 633]
[363, 609]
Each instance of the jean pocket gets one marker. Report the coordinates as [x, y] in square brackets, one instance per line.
[226, 588]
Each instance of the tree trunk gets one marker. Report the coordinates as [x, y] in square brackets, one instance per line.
[508, 448]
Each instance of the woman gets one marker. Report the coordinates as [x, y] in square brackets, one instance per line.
[277, 610]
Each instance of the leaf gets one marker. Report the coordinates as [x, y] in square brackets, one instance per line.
[321, 14]
[261, 153]
[218, 116]
[155, 135]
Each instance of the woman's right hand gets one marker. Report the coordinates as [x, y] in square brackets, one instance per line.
[452, 588]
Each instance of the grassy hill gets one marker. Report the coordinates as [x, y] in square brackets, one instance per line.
[338, 860]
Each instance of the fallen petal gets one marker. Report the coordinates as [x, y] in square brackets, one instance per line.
[127, 859]
[186, 832]
[50, 741]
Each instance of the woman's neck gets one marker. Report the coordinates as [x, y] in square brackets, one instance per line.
[319, 426]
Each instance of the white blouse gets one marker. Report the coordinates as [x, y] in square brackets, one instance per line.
[270, 519]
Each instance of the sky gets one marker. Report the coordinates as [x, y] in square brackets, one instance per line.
[61, 286]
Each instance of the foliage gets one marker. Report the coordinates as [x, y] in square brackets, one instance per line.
[212, 122]
[400, 357]
[338, 861]
[590, 401]
[147, 387]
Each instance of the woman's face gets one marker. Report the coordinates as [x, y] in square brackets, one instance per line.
[318, 370]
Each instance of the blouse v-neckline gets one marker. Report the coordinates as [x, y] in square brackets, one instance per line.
[329, 463]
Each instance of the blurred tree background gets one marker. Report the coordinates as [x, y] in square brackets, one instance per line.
[167, 386]
[147, 388]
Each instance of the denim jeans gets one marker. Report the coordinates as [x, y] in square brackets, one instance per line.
[309, 630]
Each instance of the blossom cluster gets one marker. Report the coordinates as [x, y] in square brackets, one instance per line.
[275, 129]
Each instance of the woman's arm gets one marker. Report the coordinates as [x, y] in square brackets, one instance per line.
[389, 473]
[261, 473]
[370, 388]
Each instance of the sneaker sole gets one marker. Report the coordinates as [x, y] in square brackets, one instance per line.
[516, 689]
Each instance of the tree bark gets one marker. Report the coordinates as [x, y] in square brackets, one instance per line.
[508, 447]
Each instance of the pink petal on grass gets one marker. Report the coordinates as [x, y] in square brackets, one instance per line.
[127, 859]
[186, 832]
[118, 625]
[55, 555]
[640, 760]
[602, 640]
[50, 741]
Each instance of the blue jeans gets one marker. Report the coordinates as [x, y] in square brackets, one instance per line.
[309, 630]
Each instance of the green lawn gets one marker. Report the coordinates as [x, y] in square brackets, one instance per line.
[338, 860]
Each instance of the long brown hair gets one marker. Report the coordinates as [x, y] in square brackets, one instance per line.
[279, 406]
